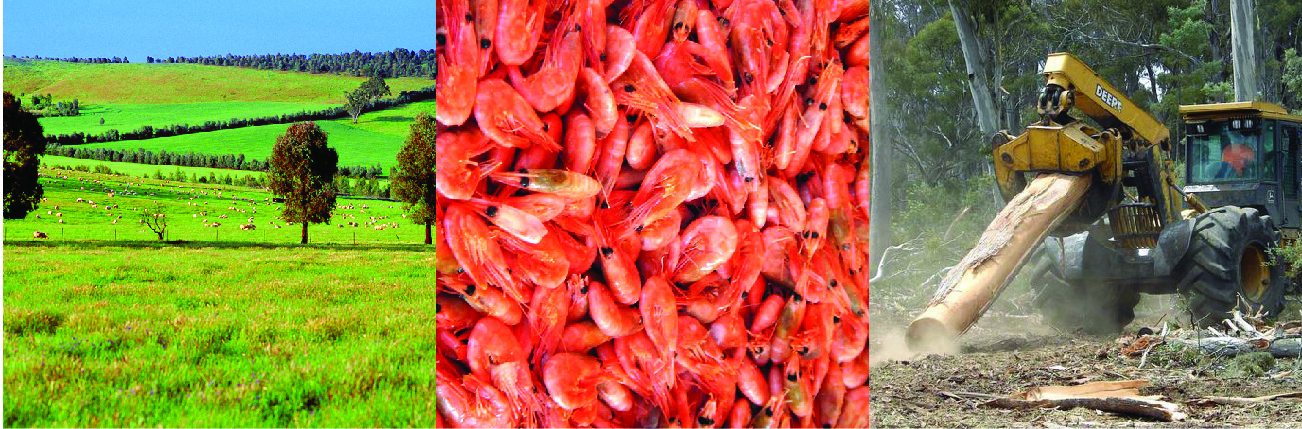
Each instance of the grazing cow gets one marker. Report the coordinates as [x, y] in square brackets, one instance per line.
[216, 224]
[59, 214]
[38, 234]
[60, 220]
[222, 216]
[248, 227]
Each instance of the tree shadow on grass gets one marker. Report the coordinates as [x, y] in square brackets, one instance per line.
[97, 244]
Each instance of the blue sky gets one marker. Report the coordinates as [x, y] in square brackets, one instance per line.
[168, 28]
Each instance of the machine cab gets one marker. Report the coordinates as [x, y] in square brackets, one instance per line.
[1245, 154]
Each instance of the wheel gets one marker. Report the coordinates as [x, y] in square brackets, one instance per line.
[1228, 266]
[1095, 308]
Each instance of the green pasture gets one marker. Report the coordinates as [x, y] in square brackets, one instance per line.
[188, 207]
[217, 334]
[130, 117]
[375, 139]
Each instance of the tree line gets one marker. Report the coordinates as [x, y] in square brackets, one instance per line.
[149, 131]
[191, 159]
[397, 63]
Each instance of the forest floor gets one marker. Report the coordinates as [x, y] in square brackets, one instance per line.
[1010, 351]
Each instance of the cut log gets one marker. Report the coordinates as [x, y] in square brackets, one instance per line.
[1285, 347]
[972, 285]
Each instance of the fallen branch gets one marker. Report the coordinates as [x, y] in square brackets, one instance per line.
[1153, 409]
[1227, 400]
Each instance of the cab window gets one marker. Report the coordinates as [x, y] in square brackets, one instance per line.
[1229, 156]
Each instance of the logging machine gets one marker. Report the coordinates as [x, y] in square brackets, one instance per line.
[1119, 224]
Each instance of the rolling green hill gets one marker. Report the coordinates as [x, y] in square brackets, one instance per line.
[375, 139]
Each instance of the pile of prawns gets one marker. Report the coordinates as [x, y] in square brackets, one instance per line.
[653, 212]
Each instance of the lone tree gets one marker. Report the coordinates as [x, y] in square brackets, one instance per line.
[372, 89]
[24, 144]
[413, 179]
[302, 171]
[155, 220]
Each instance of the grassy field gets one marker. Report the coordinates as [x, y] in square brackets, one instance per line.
[180, 83]
[375, 139]
[217, 335]
[186, 204]
[131, 117]
[104, 325]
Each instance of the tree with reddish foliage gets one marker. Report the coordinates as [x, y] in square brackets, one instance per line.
[24, 144]
[302, 171]
[413, 180]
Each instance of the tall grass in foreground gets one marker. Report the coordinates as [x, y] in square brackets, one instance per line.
[225, 335]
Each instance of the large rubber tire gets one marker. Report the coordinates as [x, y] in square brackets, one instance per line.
[1094, 308]
[1227, 260]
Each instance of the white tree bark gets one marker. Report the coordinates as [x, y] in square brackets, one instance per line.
[880, 211]
[976, 71]
[1243, 19]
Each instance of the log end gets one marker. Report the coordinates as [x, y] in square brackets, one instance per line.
[929, 335]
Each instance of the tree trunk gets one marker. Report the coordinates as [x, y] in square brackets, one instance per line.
[429, 236]
[976, 78]
[880, 152]
[304, 233]
[1243, 47]
[982, 98]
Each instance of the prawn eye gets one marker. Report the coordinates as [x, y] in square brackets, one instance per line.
[726, 21]
[796, 297]
[836, 319]
[759, 350]
[603, 57]
[815, 234]
[460, 270]
[805, 234]
[441, 39]
[485, 43]
[750, 179]
[705, 420]
[749, 77]
[813, 80]
[678, 25]
[629, 87]
[846, 246]
[809, 101]
[546, 127]
[827, 426]
[583, 290]
[744, 294]
[639, 228]
[822, 106]
[578, 27]
[469, 18]
[470, 290]
[605, 204]
[524, 182]
[782, 11]
[631, 118]
[607, 252]
[491, 211]
[803, 351]
[768, 412]
[832, 283]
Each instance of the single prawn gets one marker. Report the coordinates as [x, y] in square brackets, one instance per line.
[507, 118]
[458, 63]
